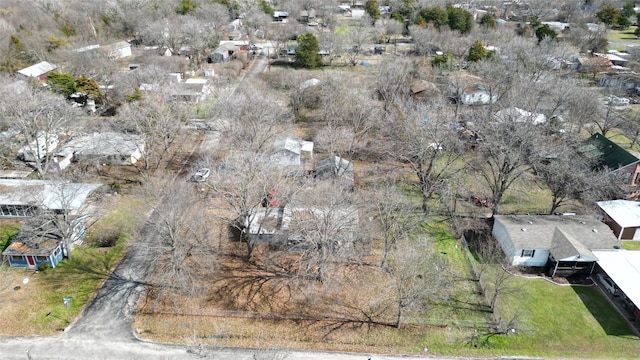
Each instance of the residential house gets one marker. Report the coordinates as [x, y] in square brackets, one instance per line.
[192, 90]
[38, 71]
[280, 16]
[621, 164]
[516, 115]
[307, 15]
[423, 89]
[294, 228]
[471, 90]
[39, 148]
[627, 81]
[91, 49]
[24, 198]
[34, 252]
[621, 267]
[102, 148]
[222, 53]
[623, 217]
[117, 50]
[593, 64]
[336, 169]
[562, 243]
[291, 151]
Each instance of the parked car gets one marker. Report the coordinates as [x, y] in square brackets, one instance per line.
[607, 283]
[255, 47]
[201, 175]
[618, 101]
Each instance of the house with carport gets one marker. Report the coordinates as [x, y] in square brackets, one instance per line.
[623, 217]
[562, 244]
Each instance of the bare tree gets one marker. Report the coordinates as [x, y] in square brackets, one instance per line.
[65, 212]
[325, 228]
[392, 81]
[183, 252]
[159, 122]
[426, 141]
[417, 275]
[39, 116]
[394, 215]
[504, 155]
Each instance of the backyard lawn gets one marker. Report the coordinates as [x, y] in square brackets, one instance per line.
[565, 321]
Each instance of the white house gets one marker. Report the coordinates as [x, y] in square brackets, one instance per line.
[556, 240]
[109, 148]
[291, 151]
[117, 50]
[39, 148]
[471, 90]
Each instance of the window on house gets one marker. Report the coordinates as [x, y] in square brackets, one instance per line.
[17, 258]
[56, 253]
[636, 180]
[41, 258]
[528, 253]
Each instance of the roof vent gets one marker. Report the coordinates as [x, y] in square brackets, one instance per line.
[523, 229]
[530, 222]
[616, 247]
[582, 222]
[594, 230]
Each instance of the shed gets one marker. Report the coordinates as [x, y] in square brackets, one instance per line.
[38, 71]
[623, 217]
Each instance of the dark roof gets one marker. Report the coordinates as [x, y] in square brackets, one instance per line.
[611, 155]
[27, 244]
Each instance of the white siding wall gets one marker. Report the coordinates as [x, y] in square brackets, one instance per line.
[501, 234]
[539, 258]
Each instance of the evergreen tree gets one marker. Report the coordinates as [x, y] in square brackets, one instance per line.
[545, 31]
[488, 21]
[477, 52]
[372, 8]
[307, 52]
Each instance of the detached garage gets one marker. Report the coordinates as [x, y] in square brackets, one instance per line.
[623, 217]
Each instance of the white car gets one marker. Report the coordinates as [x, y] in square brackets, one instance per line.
[255, 47]
[201, 175]
[618, 101]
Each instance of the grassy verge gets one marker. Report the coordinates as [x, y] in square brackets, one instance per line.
[631, 245]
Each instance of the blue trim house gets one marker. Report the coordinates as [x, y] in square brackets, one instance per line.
[34, 253]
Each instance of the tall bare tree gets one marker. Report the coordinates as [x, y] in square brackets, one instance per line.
[426, 141]
[39, 116]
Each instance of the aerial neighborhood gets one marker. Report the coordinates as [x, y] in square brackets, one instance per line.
[400, 177]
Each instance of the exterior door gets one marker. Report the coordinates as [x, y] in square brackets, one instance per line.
[31, 261]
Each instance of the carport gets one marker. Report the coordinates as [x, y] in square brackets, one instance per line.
[623, 267]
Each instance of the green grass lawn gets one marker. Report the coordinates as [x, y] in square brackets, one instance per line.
[7, 231]
[620, 38]
[565, 321]
[75, 278]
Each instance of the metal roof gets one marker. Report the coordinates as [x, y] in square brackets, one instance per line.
[38, 69]
[623, 267]
[49, 194]
[625, 213]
